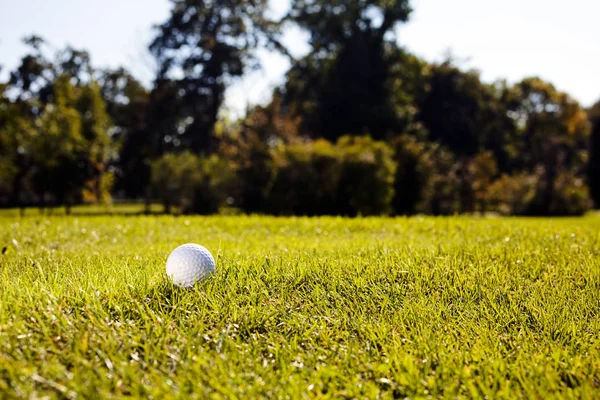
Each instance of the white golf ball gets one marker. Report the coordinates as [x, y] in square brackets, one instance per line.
[189, 263]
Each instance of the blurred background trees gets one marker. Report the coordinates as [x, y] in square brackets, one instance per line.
[360, 126]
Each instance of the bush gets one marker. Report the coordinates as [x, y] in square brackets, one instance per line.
[192, 184]
[430, 180]
[570, 196]
[353, 177]
[215, 185]
[306, 179]
[442, 188]
[366, 183]
[513, 195]
[174, 179]
[524, 194]
[412, 174]
[482, 169]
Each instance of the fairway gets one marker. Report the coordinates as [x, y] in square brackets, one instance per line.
[301, 308]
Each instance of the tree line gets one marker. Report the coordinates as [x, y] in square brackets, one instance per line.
[360, 125]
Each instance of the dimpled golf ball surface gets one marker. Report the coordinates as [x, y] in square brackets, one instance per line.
[189, 263]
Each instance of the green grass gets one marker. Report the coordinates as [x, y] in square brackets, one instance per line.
[301, 308]
[85, 210]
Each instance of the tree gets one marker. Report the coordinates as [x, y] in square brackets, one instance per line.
[192, 183]
[174, 179]
[344, 85]
[7, 167]
[76, 64]
[57, 129]
[248, 144]
[462, 113]
[594, 163]
[547, 121]
[32, 80]
[128, 105]
[99, 150]
[202, 47]
[553, 132]
[30, 87]
[58, 148]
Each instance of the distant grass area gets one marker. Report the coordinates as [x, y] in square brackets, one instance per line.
[92, 209]
[301, 308]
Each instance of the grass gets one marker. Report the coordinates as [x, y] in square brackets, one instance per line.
[86, 210]
[301, 308]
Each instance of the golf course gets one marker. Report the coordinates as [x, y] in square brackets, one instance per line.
[326, 307]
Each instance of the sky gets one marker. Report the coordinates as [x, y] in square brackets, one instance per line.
[510, 39]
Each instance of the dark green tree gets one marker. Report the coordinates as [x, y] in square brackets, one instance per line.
[128, 105]
[15, 135]
[552, 135]
[201, 48]
[594, 163]
[344, 86]
[464, 114]
[57, 129]
[57, 149]
[32, 79]
[547, 121]
[99, 150]
[76, 64]
[30, 86]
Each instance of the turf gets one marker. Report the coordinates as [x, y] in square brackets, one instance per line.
[301, 308]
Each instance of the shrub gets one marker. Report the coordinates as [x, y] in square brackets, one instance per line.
[442, 189]
[513, 195]
[412, 174]
[174, 179]
[482, 169]
[570, 196]
[430, 180]
[366, 183]
[306, 179]
[525, 194]
[216, 182]
[354, 176]
[192, 184]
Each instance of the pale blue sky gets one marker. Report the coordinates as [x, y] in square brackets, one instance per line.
[554, 39]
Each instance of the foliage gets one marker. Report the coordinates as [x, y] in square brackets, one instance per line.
[212, 191]
[301, 307]
[462, 113]
[440, 141]
[354, 176]
[442, 192]
[248, 145]
[366, 185]
[513, 195]
[547, 121]
[482, 170]
[15, 134]
[56, 130]
[343, 86]
[59, 147]
[174, 179]
[593, 172]
[207, 44]
[306, 179]
[523, 194]
[128, 105]
[571, 196]
[191, 183]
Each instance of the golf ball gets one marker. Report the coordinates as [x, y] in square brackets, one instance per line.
[189, 263]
